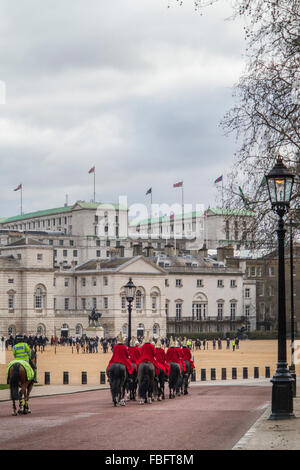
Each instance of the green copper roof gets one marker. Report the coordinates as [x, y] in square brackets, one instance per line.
[60, 210]
[193, 214]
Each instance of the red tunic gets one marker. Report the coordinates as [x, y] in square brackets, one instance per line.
[187, 356]
[161, 359]
[134, 353]
[174, 355]
[148, 355]
[121, 355]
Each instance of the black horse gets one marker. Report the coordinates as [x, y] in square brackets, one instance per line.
[117, 376]
[131, 383]
[146, 374]
[159, 385]
[174, 379]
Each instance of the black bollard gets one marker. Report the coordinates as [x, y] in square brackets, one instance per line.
[203, 375]
[66, 378]
[102, 378]
[256, 372]
[234, 374]
[212, 374]
[223, 373]
[47, 378]
[267, 374]
[245, 372]
[83, 378]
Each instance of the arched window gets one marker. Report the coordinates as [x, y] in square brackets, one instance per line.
[156, 330]
[124, 330]
[40, 330]
[78, 330]
[40, 297]
[139, 300]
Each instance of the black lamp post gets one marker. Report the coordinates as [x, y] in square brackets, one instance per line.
[280, 183]
[292, 366]
[130, 294]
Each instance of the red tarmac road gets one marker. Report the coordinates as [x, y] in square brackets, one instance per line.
[210, 417]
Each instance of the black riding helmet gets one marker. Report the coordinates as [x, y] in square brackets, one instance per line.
[20, 339]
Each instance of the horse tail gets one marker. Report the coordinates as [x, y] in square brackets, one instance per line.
[144, 380]
[14, 382]
[115, 380]
[174, 375]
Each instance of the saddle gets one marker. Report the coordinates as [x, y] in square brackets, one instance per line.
[25, 364]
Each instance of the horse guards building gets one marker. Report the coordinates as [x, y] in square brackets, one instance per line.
[57, 265]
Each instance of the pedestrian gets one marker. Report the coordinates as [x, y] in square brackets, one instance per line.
[233, 345]
[214, 343]
[227, 343]
[2, 342]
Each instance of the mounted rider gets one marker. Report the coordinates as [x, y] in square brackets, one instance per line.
[186, 352]
[22, 351]
[174, 354]
[148, 354]
[121, 355]
[160, 355]
[134, 351]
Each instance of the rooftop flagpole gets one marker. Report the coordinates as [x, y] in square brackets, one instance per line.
[20, 187]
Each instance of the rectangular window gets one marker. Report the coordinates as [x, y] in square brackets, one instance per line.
[247, 310]
[153, 303]
[105, 280]
[167, 308]
[232, 311]
[94, 281]
[98, 253]
[220, 283]
[247, 293]
[61, 242]
[199, 282]
[105, 300]
[97, 242]
[65, 253]
[83, 281]
[10, 281]
[253, 271]
[220, 311]
[71, 242]
[75, 253]
[11, 302]
[178, 311]
[54, 303]
[95, 302]
[123, 303]
[166, 282]
[50, 242]
[67, 303]
[271, 271]
[178, 283]
[66, 282]
[39, 256]
[83, 303]
[233, 283]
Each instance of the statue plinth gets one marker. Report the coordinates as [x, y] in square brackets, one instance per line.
[95, 331]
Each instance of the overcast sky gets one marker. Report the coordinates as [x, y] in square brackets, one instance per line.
[131, 86]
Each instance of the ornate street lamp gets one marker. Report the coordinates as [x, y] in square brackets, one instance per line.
[130, 289]
[280, 183]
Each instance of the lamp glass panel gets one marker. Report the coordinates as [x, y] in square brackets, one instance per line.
[280, 189]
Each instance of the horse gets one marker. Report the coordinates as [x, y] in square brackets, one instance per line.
[186, 377]
[117, 376]
[146, 374]
[159, 385]
[174, 379]
[131, 383]
[17, 378]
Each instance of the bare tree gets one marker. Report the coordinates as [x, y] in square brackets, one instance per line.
[265, 117]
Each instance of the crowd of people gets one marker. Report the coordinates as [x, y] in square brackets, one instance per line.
[90, 345]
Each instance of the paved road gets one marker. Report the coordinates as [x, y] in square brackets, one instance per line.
[208, 418]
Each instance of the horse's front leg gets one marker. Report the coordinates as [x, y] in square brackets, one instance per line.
[26, 398]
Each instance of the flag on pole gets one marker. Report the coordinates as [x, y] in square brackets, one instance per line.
[92, 170]
[149, 191]
[219, 179]
[178, 185]
[18, 187]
